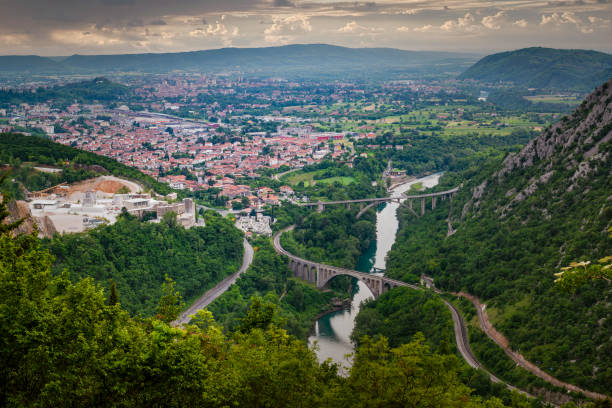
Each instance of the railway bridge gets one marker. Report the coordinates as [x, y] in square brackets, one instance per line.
[321, 274]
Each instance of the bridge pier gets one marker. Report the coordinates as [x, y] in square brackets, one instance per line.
[423, 206]
[433, 203]
[410, 204]
[320, 207]
[348, 206]
[360, 207]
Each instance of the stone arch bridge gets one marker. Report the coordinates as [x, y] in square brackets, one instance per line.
[321, 274]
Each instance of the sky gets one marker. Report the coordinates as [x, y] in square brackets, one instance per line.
[66, 27]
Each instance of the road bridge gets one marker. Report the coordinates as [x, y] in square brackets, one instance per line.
[404, 200]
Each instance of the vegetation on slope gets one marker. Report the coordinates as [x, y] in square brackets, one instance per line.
[538, 67]
[98, 90]
[269, 277]
[138, 255]
[16, 149]
[333, 236]
[517, 222]
[66, 344]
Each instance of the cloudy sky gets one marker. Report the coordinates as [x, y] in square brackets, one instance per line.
[64, 27]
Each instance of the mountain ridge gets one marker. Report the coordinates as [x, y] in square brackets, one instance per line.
[539, 67]
[300, 58]
[518, 221]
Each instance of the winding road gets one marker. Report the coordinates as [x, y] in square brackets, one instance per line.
[459, 326]
[212, 294]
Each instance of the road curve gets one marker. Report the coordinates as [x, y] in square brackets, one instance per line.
[499, 339]
[209, 296]
[459, 326]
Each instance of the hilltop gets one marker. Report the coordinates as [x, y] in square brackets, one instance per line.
[519, 221]
[538, 67]
[76, 164]
[97, 90]
[309, 60]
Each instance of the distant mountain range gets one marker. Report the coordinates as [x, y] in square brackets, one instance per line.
[303, 60]
[544, 68]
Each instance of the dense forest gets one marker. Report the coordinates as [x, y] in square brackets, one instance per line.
[68, 344]
[428, 151]
[138, 255]
[538, 67]
[333, 236]
[404, 315]
[269, 277]
[518, 221]
[15, 149]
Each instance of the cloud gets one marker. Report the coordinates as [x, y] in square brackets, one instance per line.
[601, 22]
[522, 23]
[159, 22]
[425, 29]
[494, 22]
[570, 18]
[465, 23]
[285, 29]
[354, 27]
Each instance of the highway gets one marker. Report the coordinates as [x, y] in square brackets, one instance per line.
[212, 294]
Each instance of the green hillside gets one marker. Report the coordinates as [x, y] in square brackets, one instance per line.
[15, 149]
[519, 221]
[538, 67]
[98, 90]
[69, 344]
[137, 256]
[303, 60]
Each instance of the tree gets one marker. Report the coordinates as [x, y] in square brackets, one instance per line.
[170, 304]
[113, 298]
[170, 219]
[260, 315]
[578, 273]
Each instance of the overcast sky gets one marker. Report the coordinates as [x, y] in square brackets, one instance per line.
[65, 27]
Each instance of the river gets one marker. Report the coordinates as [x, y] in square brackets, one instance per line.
[332, 332]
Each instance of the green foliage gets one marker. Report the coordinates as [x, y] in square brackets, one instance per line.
[333, 236]
[512, 237]
[401, 313]
[98, 90]
[137, 256]
[538, 67]
[269, 281]
[407, 376]
[40, 150]
[170, 304]
[62, 345]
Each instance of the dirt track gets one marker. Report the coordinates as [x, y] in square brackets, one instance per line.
[503, 342]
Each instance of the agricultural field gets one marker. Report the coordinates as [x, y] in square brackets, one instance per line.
[308, 178]
[566, 99]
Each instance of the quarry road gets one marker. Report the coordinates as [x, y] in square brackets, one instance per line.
[208, 297]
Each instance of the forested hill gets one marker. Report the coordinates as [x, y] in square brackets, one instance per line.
[538, 67]
[311, 60]
[16, 149]
[97, 90]
[517, 223]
